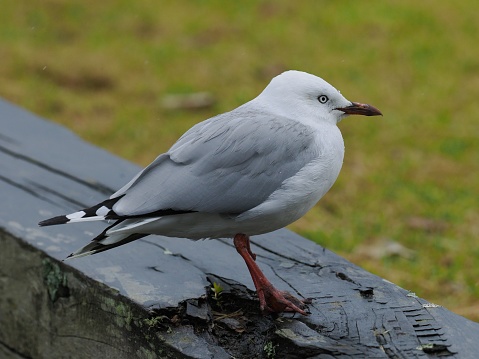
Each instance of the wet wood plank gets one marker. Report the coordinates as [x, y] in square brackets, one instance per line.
[153, 299]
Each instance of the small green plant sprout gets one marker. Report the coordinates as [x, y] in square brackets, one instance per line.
[216, 289]
[155, 321]
[270, 350]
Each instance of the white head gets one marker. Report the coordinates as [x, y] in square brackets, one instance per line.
[301, 95]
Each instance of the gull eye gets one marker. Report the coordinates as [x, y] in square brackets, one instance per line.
[323, 99]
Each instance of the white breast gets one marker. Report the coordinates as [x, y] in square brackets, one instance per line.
[300, 193]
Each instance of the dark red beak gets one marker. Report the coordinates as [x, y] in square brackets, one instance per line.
[363, 109]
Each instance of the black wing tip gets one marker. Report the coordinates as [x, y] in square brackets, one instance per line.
[54, 221]
[68, 257]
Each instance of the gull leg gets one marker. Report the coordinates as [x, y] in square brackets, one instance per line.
[271, 300]
[248, 248]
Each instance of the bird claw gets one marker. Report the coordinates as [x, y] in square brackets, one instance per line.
[277, 301]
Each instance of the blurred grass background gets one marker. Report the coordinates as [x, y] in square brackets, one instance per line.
[406, 203]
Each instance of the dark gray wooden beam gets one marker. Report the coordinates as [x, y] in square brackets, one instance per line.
[153, 299]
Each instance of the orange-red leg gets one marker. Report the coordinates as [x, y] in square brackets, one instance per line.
[271, 300]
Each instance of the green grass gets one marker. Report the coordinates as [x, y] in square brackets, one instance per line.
[101, 68]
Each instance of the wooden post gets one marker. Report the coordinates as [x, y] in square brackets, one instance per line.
[153, 298]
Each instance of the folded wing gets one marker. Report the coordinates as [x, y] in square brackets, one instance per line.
[227, 164]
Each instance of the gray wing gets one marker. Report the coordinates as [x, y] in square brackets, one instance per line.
[227, 164]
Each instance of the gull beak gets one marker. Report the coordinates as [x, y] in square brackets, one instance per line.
[357, 108]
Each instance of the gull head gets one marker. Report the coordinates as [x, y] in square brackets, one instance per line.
[304, 96]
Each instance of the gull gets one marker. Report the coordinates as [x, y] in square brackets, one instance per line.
[253, 170]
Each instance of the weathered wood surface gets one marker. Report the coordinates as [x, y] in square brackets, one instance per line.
[152, 298]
